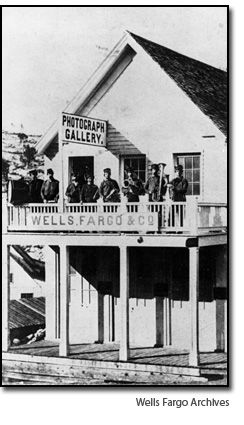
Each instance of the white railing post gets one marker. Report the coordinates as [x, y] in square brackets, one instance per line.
[192, 214]
[4, 213]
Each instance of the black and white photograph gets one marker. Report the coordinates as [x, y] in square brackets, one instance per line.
[114, 197]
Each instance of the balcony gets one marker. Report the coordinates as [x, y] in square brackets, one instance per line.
[191, 217]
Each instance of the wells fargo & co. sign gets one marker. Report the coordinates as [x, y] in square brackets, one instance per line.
[93, 222]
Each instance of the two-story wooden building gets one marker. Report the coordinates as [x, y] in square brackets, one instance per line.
[114, 271]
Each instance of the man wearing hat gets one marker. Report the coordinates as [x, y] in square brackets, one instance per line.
[73, 190]
[35, 186]
[109, 188]
[50, 188]
[133, 186]
[178, 186]
[153, 187]
[89, 191]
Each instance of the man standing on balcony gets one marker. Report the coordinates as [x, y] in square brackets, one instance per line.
[35, 186]
[133, 186]
[89, 191]
[50, 188]
[178, 186]
[109, 188]
[73, 191]
[155, 185]
[177, 189]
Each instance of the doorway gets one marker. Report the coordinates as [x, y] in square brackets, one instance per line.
[81, 166]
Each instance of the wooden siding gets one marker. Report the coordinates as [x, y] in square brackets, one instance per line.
[119, 144]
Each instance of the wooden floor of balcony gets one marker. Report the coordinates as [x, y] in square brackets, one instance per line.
[98, 364]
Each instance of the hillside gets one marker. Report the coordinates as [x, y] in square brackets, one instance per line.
[13, 146]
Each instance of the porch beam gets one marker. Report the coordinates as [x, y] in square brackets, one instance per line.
[64, 301]
[124, 303]
[194, 290]
[100, 239]
[5, 298]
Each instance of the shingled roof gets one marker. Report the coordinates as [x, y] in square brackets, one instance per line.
[205, 85]
[25, 312]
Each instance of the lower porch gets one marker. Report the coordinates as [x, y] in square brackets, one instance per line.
[98, 364]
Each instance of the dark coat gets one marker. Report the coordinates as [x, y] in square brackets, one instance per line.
[50, 190]
[134, 189]
[89, 193]
[179, 189]
[35, 187]
[109, 191]
[73, 193]
[152, 188]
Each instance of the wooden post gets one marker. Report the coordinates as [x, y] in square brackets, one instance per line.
[225, 327]
[192, 214]
[5, 298]
[100, 309]
[64, 301]
[107, 318]
[124, 303]
[194, 287]
[61, 181]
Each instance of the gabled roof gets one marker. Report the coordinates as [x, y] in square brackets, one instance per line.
[205, 85]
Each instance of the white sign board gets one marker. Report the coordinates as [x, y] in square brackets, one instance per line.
[93, 222]
[84, 130]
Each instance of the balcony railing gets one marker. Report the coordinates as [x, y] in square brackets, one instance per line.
[164, 217]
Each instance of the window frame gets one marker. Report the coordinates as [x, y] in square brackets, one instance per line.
[122, 167]
[191, 154]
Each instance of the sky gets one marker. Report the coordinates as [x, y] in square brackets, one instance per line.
[50, 52]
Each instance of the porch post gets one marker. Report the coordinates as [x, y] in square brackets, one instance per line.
[124, 303]
[64, 301]
[225, 326]
[61, 180]
[194, 288]
[5, 298]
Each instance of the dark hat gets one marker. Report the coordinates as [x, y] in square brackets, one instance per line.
[129, 170]
[89, 176]
[107, 170]
[50, 171]
[33, 172]
[179, 168]
[154, 167]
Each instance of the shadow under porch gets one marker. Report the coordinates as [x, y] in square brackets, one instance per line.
[159, 306]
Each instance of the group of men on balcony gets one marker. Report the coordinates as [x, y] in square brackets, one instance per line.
[109, 191]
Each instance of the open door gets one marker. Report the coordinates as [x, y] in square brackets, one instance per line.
[81, 166]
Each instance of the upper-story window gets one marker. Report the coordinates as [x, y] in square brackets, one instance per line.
[191, 166]
[138, 163]
[26, 295]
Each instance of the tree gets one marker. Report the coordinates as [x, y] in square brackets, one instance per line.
[22, 136]
[28, 155]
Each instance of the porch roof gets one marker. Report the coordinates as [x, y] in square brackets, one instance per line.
[26, 312]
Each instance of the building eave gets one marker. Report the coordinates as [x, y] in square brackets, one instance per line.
[85, 91]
